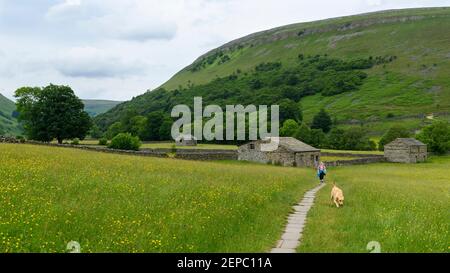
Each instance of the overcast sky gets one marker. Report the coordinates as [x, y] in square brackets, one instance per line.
[117, 49]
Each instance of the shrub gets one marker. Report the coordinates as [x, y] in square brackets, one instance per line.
[103, 141]
[125, 141]
[436, 136]
[317, 138]
[290, 128]
[322, 120]
[75, 141]
[21, 139]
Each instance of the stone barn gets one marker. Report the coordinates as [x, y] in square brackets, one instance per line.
[290, 152]
[405, 150]
[186, 140]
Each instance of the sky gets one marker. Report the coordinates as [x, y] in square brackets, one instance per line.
[118, 49]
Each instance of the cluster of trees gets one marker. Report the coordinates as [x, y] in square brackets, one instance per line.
[273, 83]
[322, 134]
[154, 126]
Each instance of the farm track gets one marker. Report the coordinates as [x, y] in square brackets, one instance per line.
[290, 239]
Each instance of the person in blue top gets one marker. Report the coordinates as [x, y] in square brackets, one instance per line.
[321, 172]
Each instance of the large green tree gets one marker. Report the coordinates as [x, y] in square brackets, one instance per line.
[52, 112]
[153, 125]
[322, 121]
[289, 109]
[114, 130]
[304, 133]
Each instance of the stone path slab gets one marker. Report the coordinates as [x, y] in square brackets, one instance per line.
[290, 239]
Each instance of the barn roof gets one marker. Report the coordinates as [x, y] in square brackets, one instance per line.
[294, 145]
[407, 141]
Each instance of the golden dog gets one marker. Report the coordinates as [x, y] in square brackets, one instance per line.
[337, 195]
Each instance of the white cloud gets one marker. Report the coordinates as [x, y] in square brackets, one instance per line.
[374, 2]
[66, 10]
[118, 26]
[90, 62]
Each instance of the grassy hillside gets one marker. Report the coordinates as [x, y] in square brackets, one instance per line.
[8, 124]
[115, 203]
[415, 35]
[407, 89]
[96, 107]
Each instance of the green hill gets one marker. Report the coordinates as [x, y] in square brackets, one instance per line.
[96, 107]
[409, 83]
[8, 123]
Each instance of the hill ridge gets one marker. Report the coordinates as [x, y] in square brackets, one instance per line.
[291, 30]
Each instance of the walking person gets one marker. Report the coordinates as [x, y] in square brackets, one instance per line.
[321, 172]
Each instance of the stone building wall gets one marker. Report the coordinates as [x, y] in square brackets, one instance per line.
[402, 153]
[247, 154]
[418, 154]
[281, 156]
[307, 159]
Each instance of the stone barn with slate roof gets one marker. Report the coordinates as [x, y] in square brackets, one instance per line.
[405, 150]
[186, 140]
[290, 152]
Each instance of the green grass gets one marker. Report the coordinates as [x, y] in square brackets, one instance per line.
[403, 207]
[168, 145]
[116, 203]
[352, 152]
[336, 158]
